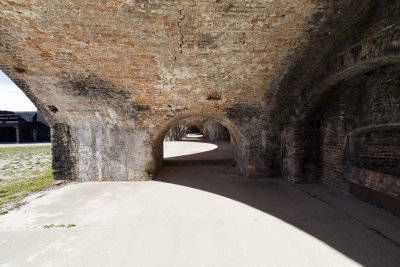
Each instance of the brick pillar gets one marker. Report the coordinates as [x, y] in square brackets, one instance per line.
[101, 153]
[301, 157]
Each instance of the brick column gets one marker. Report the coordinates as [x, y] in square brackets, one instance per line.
[101, 153]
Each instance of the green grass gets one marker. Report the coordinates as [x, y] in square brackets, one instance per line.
[15, 191]
[24, 162]
[27, 150]
[23, 170]
[59, 225]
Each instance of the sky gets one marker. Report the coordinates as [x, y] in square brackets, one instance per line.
[11, 97]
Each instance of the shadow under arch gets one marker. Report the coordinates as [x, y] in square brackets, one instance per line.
[239, 143]
[192, 125]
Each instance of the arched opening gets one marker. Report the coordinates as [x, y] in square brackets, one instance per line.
[192, 146]
[348, 136]
[229, 148]
[194, 130]
[20, 122]
[25, 151]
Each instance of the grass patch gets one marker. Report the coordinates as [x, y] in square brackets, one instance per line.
[16, 190]
[23, 170]
[26, 150]
[59, 225]
[24, 162]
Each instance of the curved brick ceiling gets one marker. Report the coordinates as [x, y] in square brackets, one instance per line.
[126, 61]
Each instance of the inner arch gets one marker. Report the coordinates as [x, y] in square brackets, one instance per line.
[238, 142]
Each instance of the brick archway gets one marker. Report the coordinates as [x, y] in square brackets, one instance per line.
[238, 141]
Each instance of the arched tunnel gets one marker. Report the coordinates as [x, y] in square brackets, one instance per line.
[306, 93]
[109, 91]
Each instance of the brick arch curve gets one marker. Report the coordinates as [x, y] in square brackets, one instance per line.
[238, 140]
[305, 127]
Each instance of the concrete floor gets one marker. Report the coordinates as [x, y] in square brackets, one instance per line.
[197, 216]
[194, 150]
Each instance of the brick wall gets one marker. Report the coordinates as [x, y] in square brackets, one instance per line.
[112, 77]
[338, 106]
[116, 73]
[361, 132]
[210, 129]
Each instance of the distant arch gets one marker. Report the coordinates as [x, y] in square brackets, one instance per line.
[238, 141]
[194, 128]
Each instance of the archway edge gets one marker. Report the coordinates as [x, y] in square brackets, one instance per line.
[233, 129]
[241, 144]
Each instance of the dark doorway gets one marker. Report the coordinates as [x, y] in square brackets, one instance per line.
[194, 129]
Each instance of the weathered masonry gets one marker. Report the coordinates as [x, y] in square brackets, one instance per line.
[309, 90]
[208, 128]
